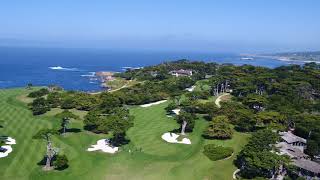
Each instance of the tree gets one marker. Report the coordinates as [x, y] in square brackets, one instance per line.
[68, 103]
[171, 107]
[29, 86]
[1, 123]
[92, 120]
[185, 118]
[66, 114]
[256, 102]
[39, 106]
[54, 99]
[64, 123]
[109, 102]
[46, 134]
[256, 158]
[39, 93]
[313, 148]
[219, 128]
[266, 118]
[117, 122]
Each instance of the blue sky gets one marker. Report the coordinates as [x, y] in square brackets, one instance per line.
[171, 25]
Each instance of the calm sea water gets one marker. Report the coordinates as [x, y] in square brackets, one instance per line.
[72, 68]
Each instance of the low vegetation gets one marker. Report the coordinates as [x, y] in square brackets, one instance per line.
[215, 153]
[219, 128]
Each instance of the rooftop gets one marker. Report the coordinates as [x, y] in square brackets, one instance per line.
[290, 150]
[307, 165]
[182, 71]
[289, 137]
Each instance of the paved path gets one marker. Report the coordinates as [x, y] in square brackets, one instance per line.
[234, 176]
[218, 100]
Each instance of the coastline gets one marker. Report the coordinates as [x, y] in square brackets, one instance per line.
[281, 58]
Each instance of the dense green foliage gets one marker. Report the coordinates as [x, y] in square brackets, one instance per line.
[66, 114]
[117, 121]
[308, 126]
[215, 153]
[219, 128]
[256, 159]
[61, 162]
[40, 106]
[263, 99]
[187, 117]
[39, 93]
[45, 134]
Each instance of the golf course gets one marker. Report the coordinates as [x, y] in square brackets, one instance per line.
[146, 156]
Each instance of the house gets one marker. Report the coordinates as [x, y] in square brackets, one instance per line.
[293, 140]
[308, 168]
[294, 146]
[181, 72]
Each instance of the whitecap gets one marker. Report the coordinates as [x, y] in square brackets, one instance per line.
[90, 74]
[62, 68]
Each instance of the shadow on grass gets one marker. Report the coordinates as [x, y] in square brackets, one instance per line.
[70, 130]
[42, 163]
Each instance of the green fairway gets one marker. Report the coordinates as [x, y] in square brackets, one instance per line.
[150, 157]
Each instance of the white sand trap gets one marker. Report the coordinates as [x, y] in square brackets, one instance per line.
[104, 146]
[10, 141]
[234, 175]
[151, 104]
[172, 138]
[190, 89]
[176, 111]
[5, 154]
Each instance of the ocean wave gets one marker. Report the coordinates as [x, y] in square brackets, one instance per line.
[5, 81]
[90, 74]
[63, 68]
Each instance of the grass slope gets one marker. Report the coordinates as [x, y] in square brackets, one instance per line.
[150, 157]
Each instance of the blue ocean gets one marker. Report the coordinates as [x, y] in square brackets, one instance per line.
[73, 69]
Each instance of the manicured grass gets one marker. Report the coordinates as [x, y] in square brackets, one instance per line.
[150, 157]
[22, 162]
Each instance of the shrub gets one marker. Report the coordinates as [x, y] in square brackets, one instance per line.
[215, 153]
[68, 103]
[61, 162]
[219, 128]
[39, 106]
[66, 114]
[39, 93]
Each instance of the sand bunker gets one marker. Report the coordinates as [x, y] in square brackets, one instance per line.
[172, 138]
[176, 111]
[104, 146]
[234, 175]
[151, 104]
[9, 141]
[190, 89]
